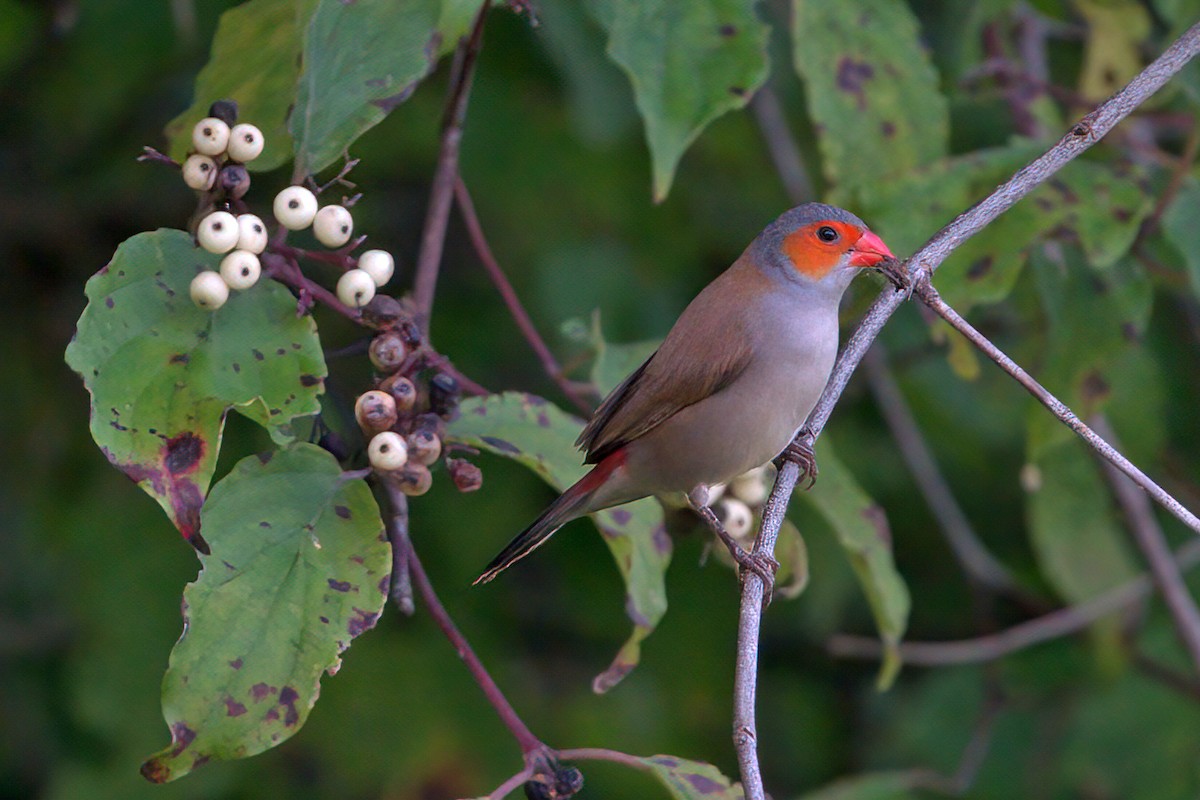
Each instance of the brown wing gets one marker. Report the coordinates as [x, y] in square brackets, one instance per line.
[707, 349]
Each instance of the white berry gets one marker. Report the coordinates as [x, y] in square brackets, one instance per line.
[210, 136]
[333, 226]
[737, 517]
[295, 208]
[379, 264]
[751, 487]
[218, 232]
[252, 233]
[387, 451]
[208, 290]
[245, 142]
[199, 172]
[240, 269]
[355, 288]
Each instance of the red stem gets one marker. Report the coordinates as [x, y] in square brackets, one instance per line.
[525, 738]
[519, 315]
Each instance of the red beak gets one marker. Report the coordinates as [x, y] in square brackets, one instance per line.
[868, 251]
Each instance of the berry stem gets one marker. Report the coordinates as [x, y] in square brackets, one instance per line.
[149, 154]
[441, 194]
[398, 534]
[287, 271]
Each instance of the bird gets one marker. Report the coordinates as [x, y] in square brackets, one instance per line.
[730, 385]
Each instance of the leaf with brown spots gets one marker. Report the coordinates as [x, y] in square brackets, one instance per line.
[273, 608]
[863, 532]
[361, 60]
[689, 63]
[541, 437]
[161, 371]
[872, 91]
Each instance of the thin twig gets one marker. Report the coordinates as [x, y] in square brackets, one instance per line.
[1150, 540]
[1179, 173]
[525, 738]
[433, 236]
[520, 316]
[1055, 625]
[288, 273]
[401, 590]
[931, 298]
[923, 263]
[773, 125]
[973, 557]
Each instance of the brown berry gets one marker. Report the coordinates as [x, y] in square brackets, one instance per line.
[404, 393]
[414, 480]
[424, 447]
[388, 352]
[375, 411]
[466, 476]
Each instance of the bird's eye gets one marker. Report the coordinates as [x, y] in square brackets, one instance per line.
[827, 234]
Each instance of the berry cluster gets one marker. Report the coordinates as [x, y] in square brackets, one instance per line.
[216, 168]
[736, 503]
[406, 414]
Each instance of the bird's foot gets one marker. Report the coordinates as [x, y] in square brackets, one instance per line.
[761, 564]
[802, 454]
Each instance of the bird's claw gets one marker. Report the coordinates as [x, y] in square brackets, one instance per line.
[761, 564]
[803, 456]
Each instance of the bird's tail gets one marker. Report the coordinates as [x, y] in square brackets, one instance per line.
[574, 502]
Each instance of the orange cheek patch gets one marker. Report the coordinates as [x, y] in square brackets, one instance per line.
[807, 256]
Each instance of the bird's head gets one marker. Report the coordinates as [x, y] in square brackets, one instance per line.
[816, 245]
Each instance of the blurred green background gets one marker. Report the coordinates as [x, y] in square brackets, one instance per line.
[91, 572]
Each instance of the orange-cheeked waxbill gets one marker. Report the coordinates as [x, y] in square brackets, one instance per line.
[734, 379]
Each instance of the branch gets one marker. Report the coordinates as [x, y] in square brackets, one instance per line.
[922, 264]
[781, 145]
[1150, 540]
[931, 298]
[1048, 627]
[519, 315]
[525, 738]
[975, 559]
[400, 590]
[433, 236]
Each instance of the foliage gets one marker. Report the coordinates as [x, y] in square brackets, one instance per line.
[903, 111]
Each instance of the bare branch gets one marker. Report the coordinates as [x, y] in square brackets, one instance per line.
[433, 236]
[1045, 628]
[525, 738]
[922, 264]
[931, 298]
[974, 558]
[520, 316]
[401, 590]
[772, 123]
[1150, 540]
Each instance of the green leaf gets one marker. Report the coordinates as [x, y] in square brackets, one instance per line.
[541, 437]
[299, 567]
[872, 90]
[1116, 32]
[1080, 547]
[862, 530]
[870, 786]
[1179, 225]
[162, 373]
[1095, 319]
[692, 780]
[255, 60]
[689, 63]
[616, 362]
[361, 60]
